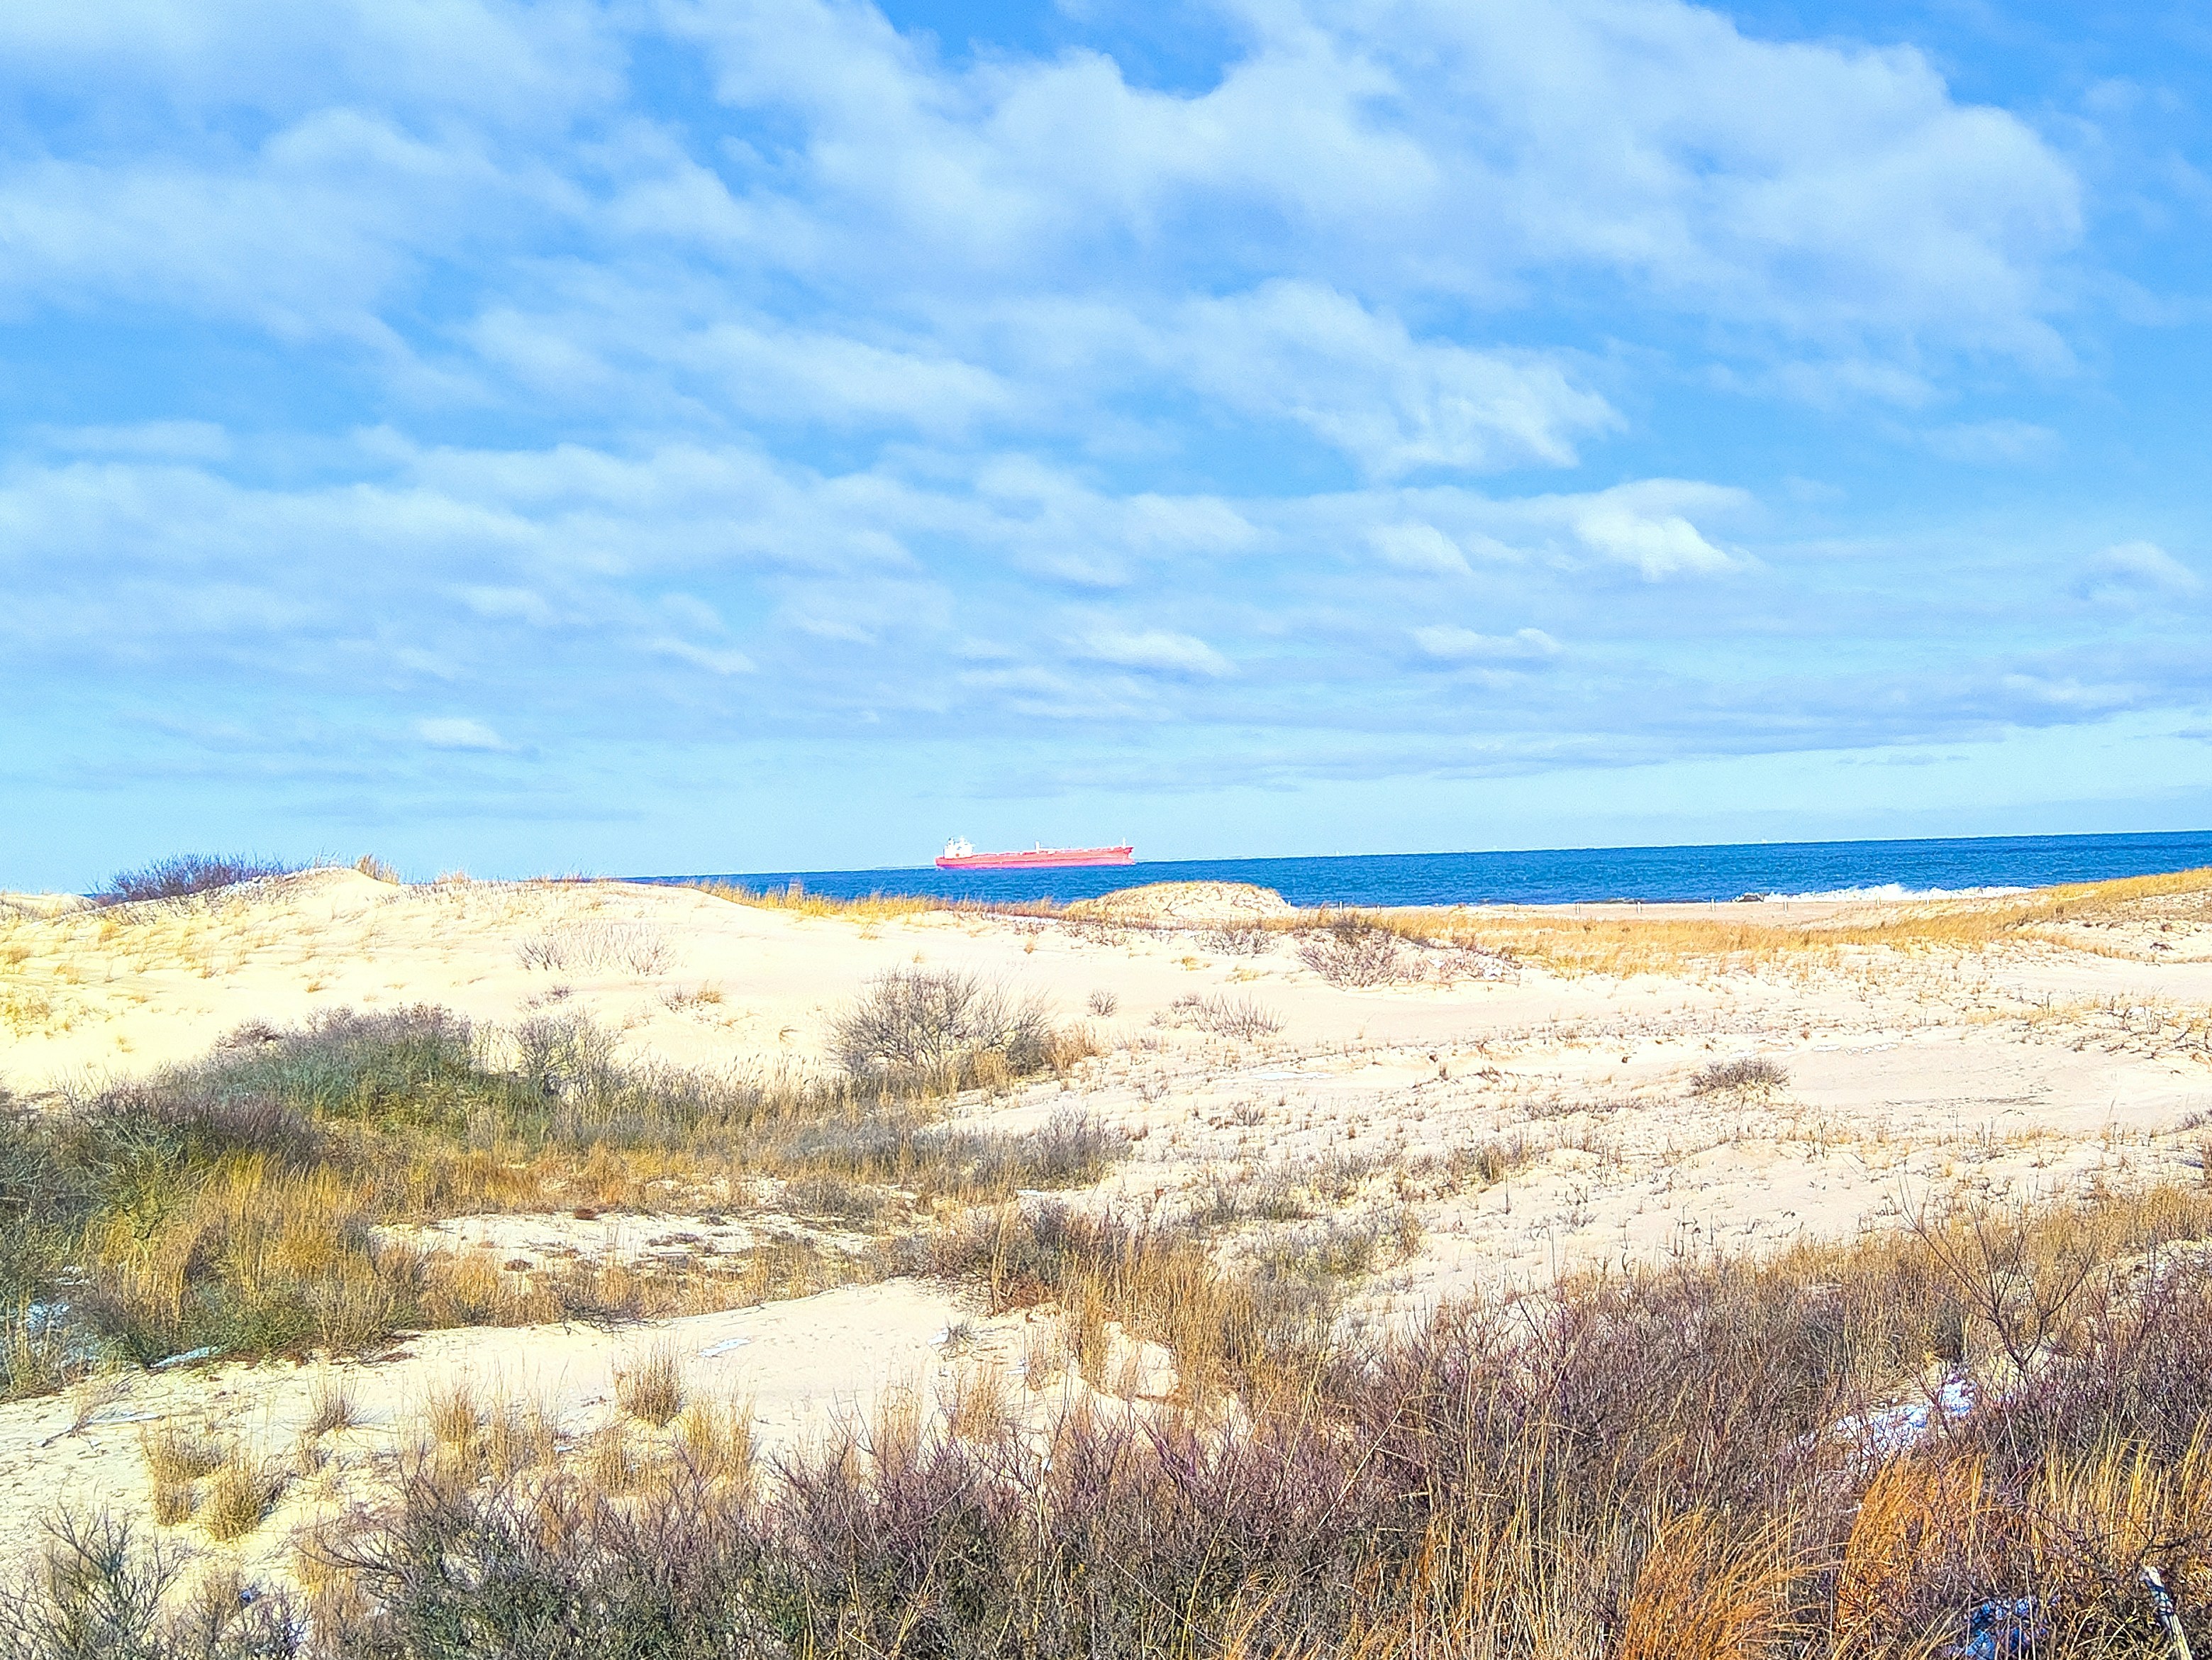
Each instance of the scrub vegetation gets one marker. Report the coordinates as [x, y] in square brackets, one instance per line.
[244, 1205]
[1849, 1449]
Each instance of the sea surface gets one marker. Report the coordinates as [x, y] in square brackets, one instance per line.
[1567, 875]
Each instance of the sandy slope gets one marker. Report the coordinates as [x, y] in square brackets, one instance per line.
[2021, 1069]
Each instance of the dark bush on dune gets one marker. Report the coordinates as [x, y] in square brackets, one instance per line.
[186, 874]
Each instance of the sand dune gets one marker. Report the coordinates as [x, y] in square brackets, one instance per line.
[1499, 1118]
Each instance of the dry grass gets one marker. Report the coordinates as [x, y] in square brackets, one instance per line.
[1661, 1463]
[653, 1390]
[1627, 945]
[453, 1415]
[875, 908]
[176, 1456]
[237, 1498]
[242, 1205]
[332, 1406]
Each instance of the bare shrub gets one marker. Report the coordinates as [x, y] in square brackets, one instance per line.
[1225, 1017]
[938, 1026]
[1104, 1003]
[1354, 952]
[594, 945]
[186, 874]
[1745, 1072]
[1236, 939]
[99, 1591]
[1476, 963]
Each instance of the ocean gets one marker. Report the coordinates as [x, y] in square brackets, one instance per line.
[1566, 875]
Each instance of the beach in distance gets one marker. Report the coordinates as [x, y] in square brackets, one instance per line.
[344, 1211]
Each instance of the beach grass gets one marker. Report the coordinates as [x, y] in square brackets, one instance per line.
[245, 1204]
[1842, 1449]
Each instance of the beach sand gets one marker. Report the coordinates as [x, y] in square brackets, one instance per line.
[2031, 1063]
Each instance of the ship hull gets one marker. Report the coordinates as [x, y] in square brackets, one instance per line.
[1037, 858]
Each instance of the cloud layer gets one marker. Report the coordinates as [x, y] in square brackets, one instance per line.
[508, 378]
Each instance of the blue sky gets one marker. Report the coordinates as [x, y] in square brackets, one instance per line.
[683, 435]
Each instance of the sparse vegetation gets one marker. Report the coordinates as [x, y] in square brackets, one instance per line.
[1356, 950]
[591, 945]
[915, 1030]
[237, 1205]
[1745, 1072]
[1225, 1017]
[1827, 1453]
[186, 874]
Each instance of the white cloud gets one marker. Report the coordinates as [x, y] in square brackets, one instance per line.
[1452, 644]
[1156, 650]
[1659, 545]
[1363, 384]
[1421, 548]
[457, 732]
[1648, 525]
[722, 661]
[2130, 571]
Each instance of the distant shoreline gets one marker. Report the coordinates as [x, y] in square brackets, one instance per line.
[1796, 872]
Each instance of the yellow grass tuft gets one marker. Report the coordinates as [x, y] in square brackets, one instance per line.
[176, 1457]
[238, 1495]
[453, 1415]
[1701, 1596]
[653, 1390]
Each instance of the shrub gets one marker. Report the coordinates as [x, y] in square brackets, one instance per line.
[1225, 1017]
[1354, 952]
[1236, 939]
[1745, 1072]
[917, 1028]
[100, 1594]
[1104, 1003]
[186, 874]
[587, 947]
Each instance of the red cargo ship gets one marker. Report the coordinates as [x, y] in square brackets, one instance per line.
[960, 854]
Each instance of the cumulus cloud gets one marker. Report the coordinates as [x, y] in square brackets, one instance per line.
[2136, 570]
[457, 732]
[1157, 651]
[1421, 548]
[1452, 644]
[1648, 525]
[1363, 384]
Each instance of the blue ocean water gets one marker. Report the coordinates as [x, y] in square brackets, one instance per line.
[1566, 875]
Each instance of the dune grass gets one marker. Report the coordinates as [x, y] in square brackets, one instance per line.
[239, 1205]
[1706, 1458]
[2063, 916]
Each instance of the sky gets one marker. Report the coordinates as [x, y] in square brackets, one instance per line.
[671, 435]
